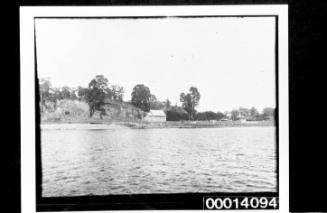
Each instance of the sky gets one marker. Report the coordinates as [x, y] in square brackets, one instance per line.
[230, 60]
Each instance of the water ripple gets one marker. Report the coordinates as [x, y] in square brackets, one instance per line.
[158, 161]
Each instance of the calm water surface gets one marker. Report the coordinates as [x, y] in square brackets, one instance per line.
[130, 161]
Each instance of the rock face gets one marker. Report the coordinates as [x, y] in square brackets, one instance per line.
[122, 111]
[65, 110]
[72, 110]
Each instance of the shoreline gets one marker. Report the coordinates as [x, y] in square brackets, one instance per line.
[113, 125]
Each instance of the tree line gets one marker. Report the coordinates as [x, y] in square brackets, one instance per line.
[95, 94]
[99, 91]
[176, 113]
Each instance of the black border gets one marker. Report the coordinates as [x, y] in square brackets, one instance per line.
[174, 201]
[307, 62]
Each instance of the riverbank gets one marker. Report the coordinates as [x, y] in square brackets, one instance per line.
[101, 124]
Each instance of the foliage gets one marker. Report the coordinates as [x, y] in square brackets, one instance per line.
[155, 104]
[44, 85]
[209, 115]
[254, 112]
[268, 113]
[176, 114]
[167, 104]
[98, 91]
[50, 94]
[141, 97]
[68, 93]
[82, 93]
[201, 116]
[220, 115]
[190, 101]
[235, 115]
[95, 94]
[244, 112]
[117, 93]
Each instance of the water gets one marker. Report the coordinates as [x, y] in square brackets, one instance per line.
[134, 161]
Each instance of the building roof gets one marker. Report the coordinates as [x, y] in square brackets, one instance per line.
[156, 113]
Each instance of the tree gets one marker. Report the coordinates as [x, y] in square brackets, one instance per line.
[65, 92]
[97, 92]
[268, 113]
[176, 113]
[117, 92]
[141, 97]
[167, 104]
[82, 93]
[201, 116]
[219, 116]
[44, 87]
[55, 94]
[190, 101]
[235, 115]
[155, 104]
[44, 92]
[153, 98]
[73, 93]
[254, 113]
[211, 115]
[244, 112]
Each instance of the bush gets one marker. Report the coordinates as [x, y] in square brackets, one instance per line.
[209, 115]
[176, 114]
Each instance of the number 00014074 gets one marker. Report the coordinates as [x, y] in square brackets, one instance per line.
[240, 203]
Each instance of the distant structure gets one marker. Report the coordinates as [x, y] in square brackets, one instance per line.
[155, 115]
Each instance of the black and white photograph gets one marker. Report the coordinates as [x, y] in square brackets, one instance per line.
[157, 105]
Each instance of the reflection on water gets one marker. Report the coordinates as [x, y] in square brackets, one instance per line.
[133, 161]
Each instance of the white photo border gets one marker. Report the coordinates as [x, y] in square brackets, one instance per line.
[27, 74]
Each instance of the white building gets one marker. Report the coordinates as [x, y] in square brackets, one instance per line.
[155, 115]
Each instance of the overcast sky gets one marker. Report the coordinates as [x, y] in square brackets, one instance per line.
[229, 60]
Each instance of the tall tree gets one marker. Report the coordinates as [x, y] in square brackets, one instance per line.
[190, 101]
[235, 115]
[97, 92]
[44, 86]
[167, 104]
[141, 97]
[254, 113]
[45, 92]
